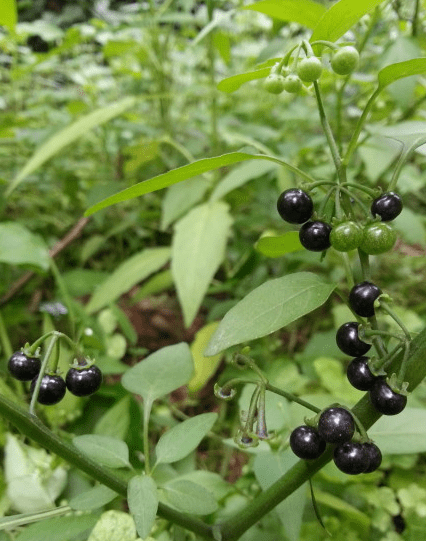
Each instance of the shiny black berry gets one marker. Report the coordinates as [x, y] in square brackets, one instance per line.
[52, 389]
[362, 297]
[306, 443]
[295, 206]
[336, 425]
[83, 381]
[359, 374]
[386, 400]
[23, 367]
[351, 458]
[315, 236]
[388, 206]
[348, 340]
[374, 456]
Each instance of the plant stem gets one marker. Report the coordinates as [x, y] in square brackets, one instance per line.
[4, 339]
[392, 314]
[365, 264]
[291, 397]
[49, 350]
[146, 415]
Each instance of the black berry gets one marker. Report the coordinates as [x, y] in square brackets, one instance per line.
[52, 389]
[295, 206]
[388, 206]
[315, 236]
[306, 443]
[385, 399]
[348, 340]
[336, 425]
[359, 374]
[83, 381]
[351, 458]
[362, 297]
[374, 456]
[23, 367]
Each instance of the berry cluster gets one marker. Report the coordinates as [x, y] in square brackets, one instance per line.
[82, 380]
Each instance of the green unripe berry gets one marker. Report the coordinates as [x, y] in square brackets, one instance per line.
[309, 69]
[274, 83]
[345, 60]
[292, 84]
[378, 238]
[346, 236]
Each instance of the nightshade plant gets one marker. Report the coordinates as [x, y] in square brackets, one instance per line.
[341, 205]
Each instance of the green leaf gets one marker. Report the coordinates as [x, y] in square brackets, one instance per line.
[115, 421]
[110, 452]
[59, 528]
[233, 83]
[68, 135]
[183, 438]
[303, 12]
[181, 197]
[113, 525]
[361, 519]
[94, 498]
[270, 307]
[8, 14]
[392, 73]
[277, 246]
[184, 172]
[401, 434]
[160, 373]
[18, 246]
[133, 270]
[189, 497]
[340, 17]
[143, 503]
[204, 367]
[198, 249]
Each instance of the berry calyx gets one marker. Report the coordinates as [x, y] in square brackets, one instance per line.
[274, 83]
[388, 206]
[346, 236]
[306, 443]
[374, 456]
[351, 458]
[348, 341]
[378, 238]
[336, 425]
[385, 400]
[345, 60]
[23, 367]
[295, 206]
[360, 375]
[309, 69]
[83, 381]
[362, 297]
[315, 236]
[52, 389]
[292, 84]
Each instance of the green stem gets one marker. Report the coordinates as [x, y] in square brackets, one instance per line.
[212, 77]
[397, 320]
[325, 200]
[377, 340]
[4, 339]
[370, 191]
[146, 415]
[365, 210]
[415, 18]
[244, 359]
[348, 270]
[365, 264]
[42, 371]
[291, 397]
[401, 373]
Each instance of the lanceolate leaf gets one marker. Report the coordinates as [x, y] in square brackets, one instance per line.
[204, 367]
[279, 245]
[187, 171]
[341, 16]
[389, 74]
[303, 12]
[198, 249]
[233, 83]
[143, 503]
[189, 497]
[108, 451]
[269, 307]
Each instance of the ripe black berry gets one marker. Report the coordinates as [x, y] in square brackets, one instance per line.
[362, 297]
[351, 458]
[83, 381]
[52, 389]
[315, 236]
[306, 443]
[388, 206]
[336, 425]
[374, 456]
[23, 367]
[385, 399]
[359, 374]
[348, 340]
[295, 206]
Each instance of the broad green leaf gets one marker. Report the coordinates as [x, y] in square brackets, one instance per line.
[187, 171]
[133, 270]
[304, 12]
[340, 17]
[115, 421]
[401, 434]
[198, 249]
[239, 176]
[189, 497]
[94, 498]
[392, 73]
[108, 451]
[160, 373]
[18, 246]
[277, 246]
[233, 83]
[68, 135]
[159, 282]
[8, 14]
[113, 525]
[183, 438]
[411, 226]
[143, 503]
[59, 528]
[270, 307]
[181, 197]
[204, 367]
